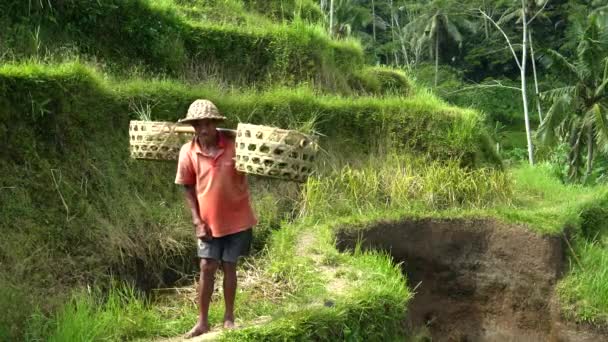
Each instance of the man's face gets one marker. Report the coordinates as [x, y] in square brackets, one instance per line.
[205, 129]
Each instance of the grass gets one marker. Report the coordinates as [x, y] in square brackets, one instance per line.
[72, 197]
[380, 189]
[401, 182]
[185, 40]
[583, 292]
[545, 203]
[122, 315]
[372, 308]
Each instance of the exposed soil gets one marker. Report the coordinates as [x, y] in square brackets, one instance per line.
[477, 280]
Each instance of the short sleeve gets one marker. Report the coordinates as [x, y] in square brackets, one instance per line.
[185, 170]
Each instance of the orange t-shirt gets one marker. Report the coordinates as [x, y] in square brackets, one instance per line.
[222, 191]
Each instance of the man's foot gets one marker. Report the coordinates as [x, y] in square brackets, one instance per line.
[229, 322]
[198, 330]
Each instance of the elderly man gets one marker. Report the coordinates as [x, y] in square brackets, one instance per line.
[218, 197]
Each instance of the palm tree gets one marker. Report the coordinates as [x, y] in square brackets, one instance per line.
[578, 113]
[350, 16]
[436, 24]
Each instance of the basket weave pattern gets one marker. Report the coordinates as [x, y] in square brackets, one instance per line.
[156, 140]
[274, 152]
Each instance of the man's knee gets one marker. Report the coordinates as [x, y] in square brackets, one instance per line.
[229, 267]
[209, 266]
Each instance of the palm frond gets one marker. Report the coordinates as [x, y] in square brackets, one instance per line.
[557, 114]
[601, 126]
[453, 32]
[468, 25]
[434, 26]
[558, 93]
[509, 16]
[552, 58]
[601, 89]
[575, 159]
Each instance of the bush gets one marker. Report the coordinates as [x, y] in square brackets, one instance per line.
[381, 80]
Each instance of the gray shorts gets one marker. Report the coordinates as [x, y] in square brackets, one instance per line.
[226, 248]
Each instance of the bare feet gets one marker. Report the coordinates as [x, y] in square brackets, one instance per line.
[229, 322]
[198, 330]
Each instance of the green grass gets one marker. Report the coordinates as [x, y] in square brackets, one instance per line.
[189, 40]
[545, 203]
[583, 293]
[122, 315]
[372, 309]
[401, 182]
[392, 189]
[73, 198]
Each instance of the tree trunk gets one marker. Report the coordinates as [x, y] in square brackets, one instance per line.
[485, 22]
[374, 20]
[406, 57]
[537, 95]
[436, 58]
[393, 28]
[523, 83]
[589, 153]
[331, 18]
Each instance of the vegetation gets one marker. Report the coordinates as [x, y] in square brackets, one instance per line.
[578, 110]
[96, 234]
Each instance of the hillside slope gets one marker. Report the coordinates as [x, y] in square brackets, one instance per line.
[78, 212]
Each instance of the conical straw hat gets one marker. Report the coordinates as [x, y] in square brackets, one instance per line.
[200, 110]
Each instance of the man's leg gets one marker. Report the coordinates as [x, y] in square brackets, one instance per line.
[207, 277]
[229, 269]
[236, 245]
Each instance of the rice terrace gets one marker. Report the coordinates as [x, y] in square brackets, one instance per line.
[303, 170]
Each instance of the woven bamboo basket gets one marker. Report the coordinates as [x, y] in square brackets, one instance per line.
[158, 140]
[275, 152]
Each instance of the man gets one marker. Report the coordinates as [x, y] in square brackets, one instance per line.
[218, 197]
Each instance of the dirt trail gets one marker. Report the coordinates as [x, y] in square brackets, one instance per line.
[477, 280]
[305, 247]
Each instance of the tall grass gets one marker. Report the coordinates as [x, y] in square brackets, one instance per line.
[403, 182]
[246, 47]
[121, 314]
[583, 292]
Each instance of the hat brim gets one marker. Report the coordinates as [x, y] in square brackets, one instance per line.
[187, 120]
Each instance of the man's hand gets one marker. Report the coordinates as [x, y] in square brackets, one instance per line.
[203, 231]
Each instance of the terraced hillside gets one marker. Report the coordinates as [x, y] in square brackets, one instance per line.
[105, 240]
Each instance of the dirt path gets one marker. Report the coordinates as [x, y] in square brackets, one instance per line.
[306, 247]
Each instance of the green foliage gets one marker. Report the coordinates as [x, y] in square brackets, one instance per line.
[275, 53]
[373, 310]
[544, 202]
[578, 112]
[122, 314]
[398, 182]
[583, 292]
[17, 305]
[74, 198]
[381, 81]
[307, 10]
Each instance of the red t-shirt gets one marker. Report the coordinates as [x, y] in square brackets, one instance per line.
[222, 191]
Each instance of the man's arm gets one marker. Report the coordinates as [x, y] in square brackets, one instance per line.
[202, 230]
